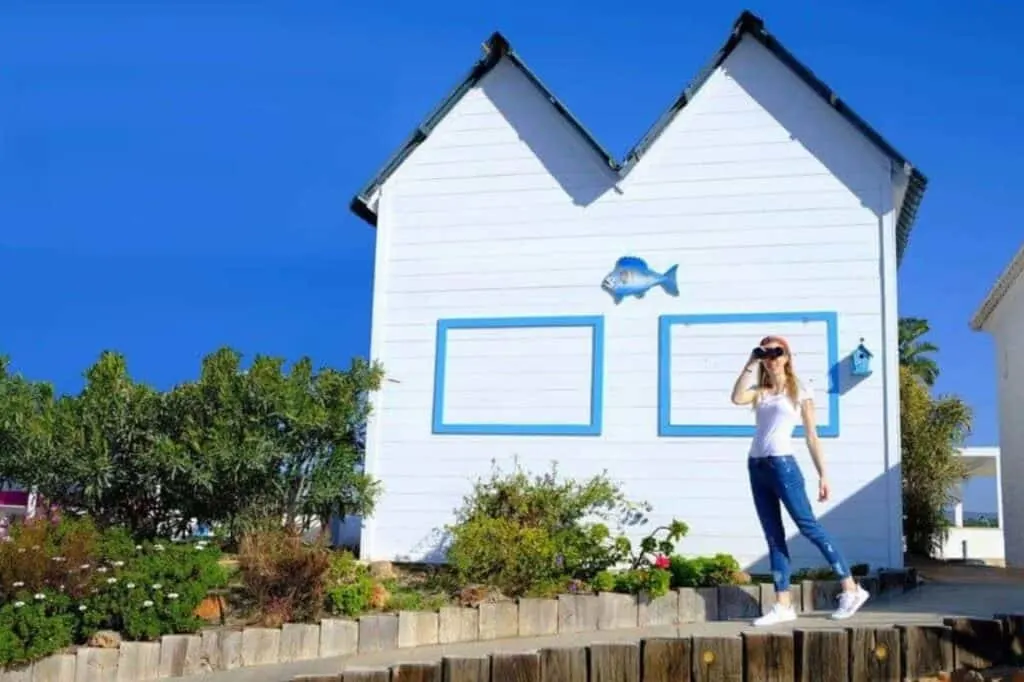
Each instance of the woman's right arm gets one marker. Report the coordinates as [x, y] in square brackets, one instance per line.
[743, 391]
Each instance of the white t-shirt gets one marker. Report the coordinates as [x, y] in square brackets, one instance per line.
[776, 418]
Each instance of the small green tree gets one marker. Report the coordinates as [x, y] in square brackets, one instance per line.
[933, 429]
[268, 442]
[915, 353]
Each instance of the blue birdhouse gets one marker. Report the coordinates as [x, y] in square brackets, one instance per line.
[861, 361]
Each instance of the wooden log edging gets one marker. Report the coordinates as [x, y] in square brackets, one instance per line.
[216, 650]
[851, 654]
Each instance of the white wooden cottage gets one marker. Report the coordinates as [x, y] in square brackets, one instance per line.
[537, 299]
[1001, 314]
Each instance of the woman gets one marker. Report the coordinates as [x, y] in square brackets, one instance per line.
[781, 402]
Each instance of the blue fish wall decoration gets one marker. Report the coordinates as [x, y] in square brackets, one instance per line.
[632, 277]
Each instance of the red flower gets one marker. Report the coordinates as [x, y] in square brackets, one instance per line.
[661, 561]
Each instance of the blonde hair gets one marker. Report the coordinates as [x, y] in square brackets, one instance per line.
[764, 378]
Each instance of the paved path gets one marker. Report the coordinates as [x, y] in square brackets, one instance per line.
[927, 604]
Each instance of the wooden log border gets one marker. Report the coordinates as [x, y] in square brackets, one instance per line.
[215, 650]
[851, 654]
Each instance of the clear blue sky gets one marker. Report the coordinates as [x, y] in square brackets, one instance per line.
[175, 176]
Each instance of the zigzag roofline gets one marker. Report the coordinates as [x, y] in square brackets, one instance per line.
[498, 47]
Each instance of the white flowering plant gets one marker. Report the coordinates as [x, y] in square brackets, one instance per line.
[61, 582]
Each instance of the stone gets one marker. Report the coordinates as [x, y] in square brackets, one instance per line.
[104, 639]
[698, 604]
[230, 649]
[577, 613]
[382, 570]
[417, 628]
[741, 578]
[458, 624]
[739, 602]
[138, 661]
[58, 668]
[499, 620]
[474, 595]
[663, 610]
[299, 642]
[378, 633]
[211, 609]
[338, 637]
[616, 611]
[538, 617]
[260, 646]
[96, 665]
[179, 655]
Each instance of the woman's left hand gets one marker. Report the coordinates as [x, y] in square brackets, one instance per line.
[823, 490]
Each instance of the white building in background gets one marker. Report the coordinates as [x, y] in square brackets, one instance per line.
[973, 542]
[1002, 315]
[535, 298]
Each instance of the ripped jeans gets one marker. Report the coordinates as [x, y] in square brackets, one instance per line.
[778, 481]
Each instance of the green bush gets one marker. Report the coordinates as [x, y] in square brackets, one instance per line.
[62, 581]
[349, 586]
[719, 569]
[153, 591]
[654, 582]
[33, 626]
[521, 533]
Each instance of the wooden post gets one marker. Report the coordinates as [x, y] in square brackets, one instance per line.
[416, 672]
[770, 657]
[515, 667]
[666, 660]
[717, 659]
[926, 650]
[977, 643]
[366, 675]
[874, 654]
[822, 655]
[465, 669]
[563, 665]
[1013, 634]
[614, 663]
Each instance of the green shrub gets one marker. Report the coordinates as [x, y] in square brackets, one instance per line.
[719, 569]
[518, 533]
[152, 592]
[62, 581]
[407, 599]
[349, 586]
[654, 582]
[33, 626]
[537, 535]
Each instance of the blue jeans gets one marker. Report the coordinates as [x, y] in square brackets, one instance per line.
[777, 481]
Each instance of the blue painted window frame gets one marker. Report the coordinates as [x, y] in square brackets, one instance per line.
[593, 428]
[665, 324]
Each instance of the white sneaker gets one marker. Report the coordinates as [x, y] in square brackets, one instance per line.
[778, 614]
[850, 603]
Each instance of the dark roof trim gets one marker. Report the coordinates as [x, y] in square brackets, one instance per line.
[748, 24]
